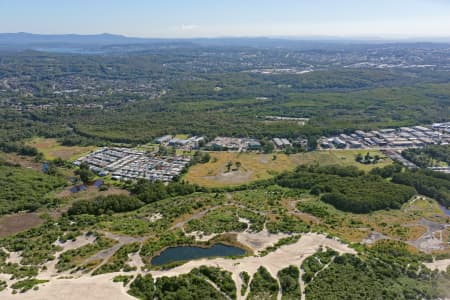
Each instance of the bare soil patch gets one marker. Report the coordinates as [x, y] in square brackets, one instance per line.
[12, 224]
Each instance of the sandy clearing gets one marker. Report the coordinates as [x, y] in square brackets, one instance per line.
[135, 260]
[101, 287]
[13, 257]
[259, 241]
[440, 265]
[200, 236]
[86, 288]
[77, 243]
[155, 217]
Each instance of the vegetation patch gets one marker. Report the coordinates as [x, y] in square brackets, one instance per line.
[25, 189]
[224, 219]
[289, 282]
[189, 286]
[219, 277]
[313, 264]
[388, 272]
[119, 260]
[72, 258]
[348, 189]
[27, 284]
[125, 279]
[105, 205]
[245, 281]
[3, 285]
[142, 287]
[263, 286]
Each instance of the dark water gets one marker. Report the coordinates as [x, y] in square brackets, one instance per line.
[445, 210]
[184, 253]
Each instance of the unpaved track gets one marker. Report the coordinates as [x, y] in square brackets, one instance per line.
[440, 265]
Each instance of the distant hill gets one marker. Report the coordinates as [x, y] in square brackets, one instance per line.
[78, 43]
[23, 38]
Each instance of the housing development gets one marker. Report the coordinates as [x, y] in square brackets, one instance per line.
[130, 164]
[404, 137]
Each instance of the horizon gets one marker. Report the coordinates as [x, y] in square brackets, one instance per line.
[382, 19]
[318, 38]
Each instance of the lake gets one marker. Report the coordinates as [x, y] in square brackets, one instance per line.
[184, 253]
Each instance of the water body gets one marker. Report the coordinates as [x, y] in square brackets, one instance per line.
[445, 210]
[184, 253]
[63, 50]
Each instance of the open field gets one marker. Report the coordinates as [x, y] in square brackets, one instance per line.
[256, 166]
[12, 224]
[339, 157]
[90, 193]
[52, 149]
[253, 167]
[24, 161]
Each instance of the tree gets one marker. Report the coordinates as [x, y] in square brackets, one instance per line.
[268, 147]
[359, 157]
[312, 143]
[228, 166]
[85, 174]
[206, 158]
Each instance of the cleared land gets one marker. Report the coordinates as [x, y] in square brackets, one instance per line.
[15, 223]
[254, 166]
[52, 149]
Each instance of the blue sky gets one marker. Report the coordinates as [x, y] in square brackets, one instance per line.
[212, 18]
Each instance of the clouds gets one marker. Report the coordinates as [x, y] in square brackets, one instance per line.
[188, 27]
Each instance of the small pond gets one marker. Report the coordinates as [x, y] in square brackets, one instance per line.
[445, 210]
[184, 253]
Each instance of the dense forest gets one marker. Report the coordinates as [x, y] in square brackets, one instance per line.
[429, 183]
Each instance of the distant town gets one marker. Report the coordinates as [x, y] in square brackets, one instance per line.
[404, 137]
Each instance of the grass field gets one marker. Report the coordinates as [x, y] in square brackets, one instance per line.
[256, 166]
[52, 149]
[182, 136]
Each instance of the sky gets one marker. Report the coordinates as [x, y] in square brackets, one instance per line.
[220, 18]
